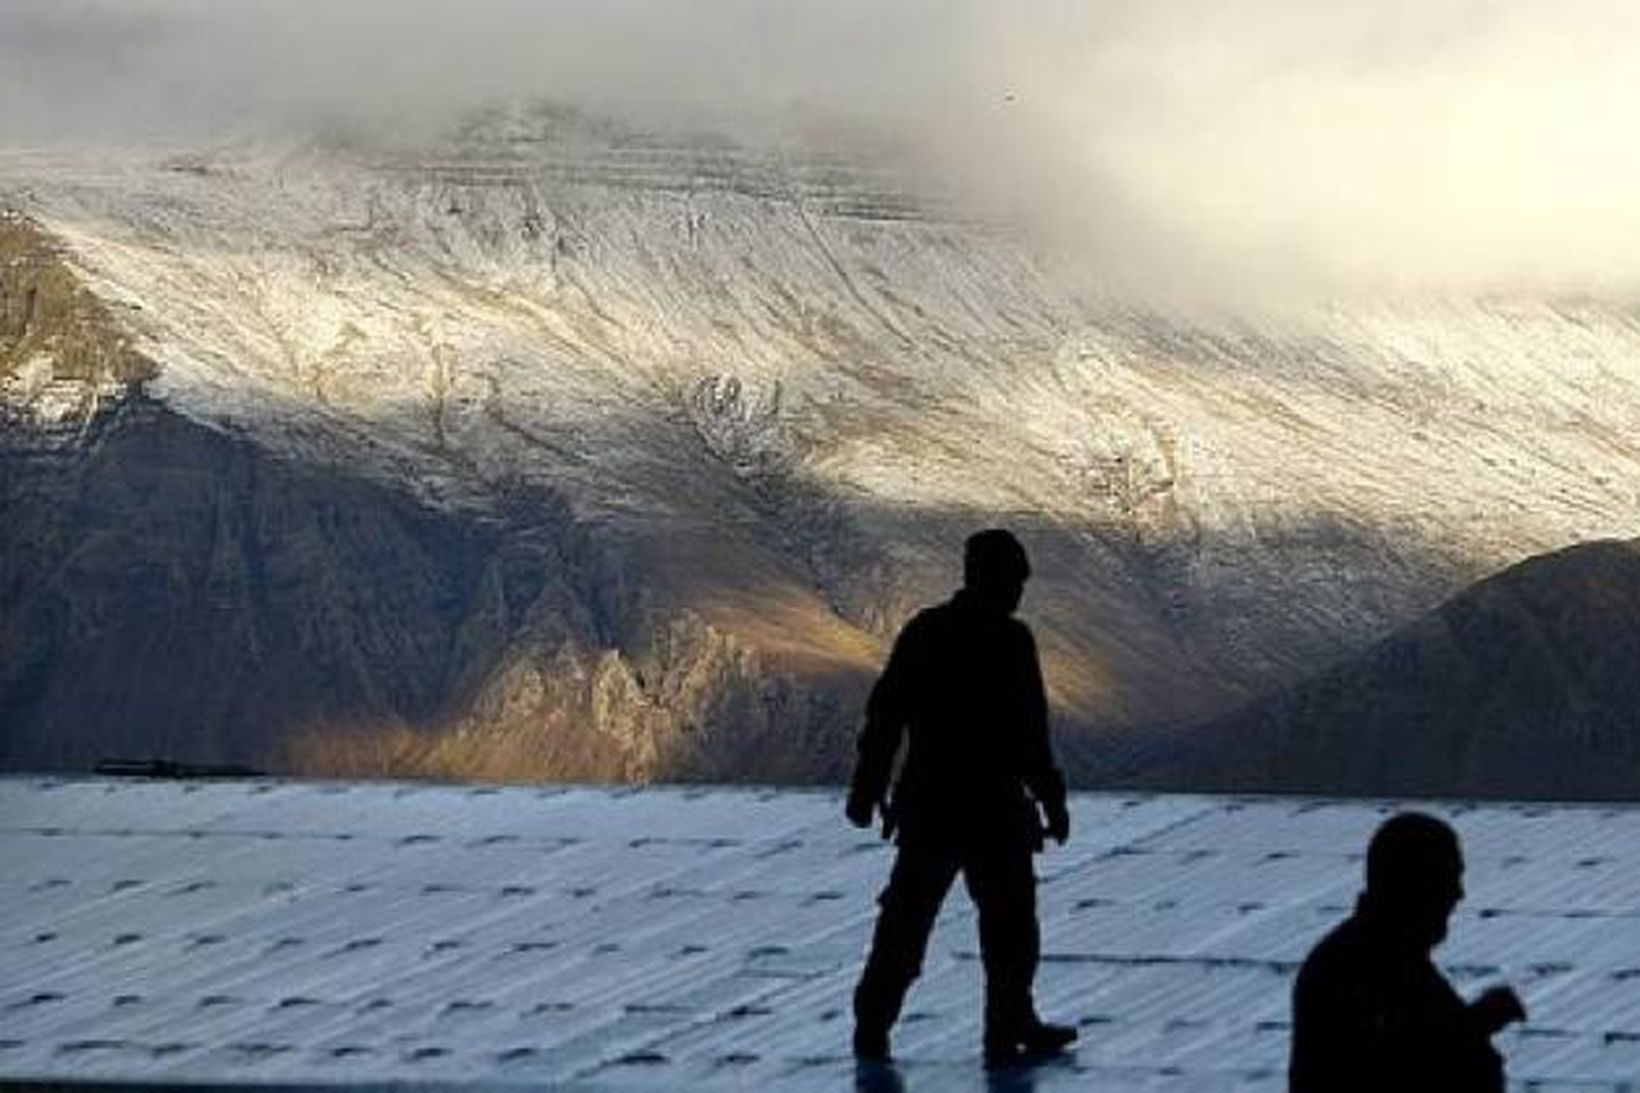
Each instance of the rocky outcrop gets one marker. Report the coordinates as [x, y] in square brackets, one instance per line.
[707, 709]
[175, 590]
[57, 338]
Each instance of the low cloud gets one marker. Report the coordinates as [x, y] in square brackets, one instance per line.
[1188, 148]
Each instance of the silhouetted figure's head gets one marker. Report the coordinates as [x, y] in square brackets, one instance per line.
[994, 568]
[1415, 875]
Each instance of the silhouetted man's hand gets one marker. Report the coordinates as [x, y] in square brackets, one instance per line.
[1497, 1009]
[860, 809]
[1059, 820]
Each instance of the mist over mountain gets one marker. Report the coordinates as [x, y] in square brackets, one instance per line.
[1245, 155]
[561, 447]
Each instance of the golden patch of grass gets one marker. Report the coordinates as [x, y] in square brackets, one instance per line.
[46, 310]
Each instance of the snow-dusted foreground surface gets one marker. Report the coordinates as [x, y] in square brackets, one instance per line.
[253, 932]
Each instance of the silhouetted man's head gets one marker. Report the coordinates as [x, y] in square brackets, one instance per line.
[994, 568]
[1415, 874]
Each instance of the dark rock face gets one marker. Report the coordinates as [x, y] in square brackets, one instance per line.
[172, 590]
[1526, 685]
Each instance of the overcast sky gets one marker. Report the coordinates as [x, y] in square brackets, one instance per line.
[1459, 144]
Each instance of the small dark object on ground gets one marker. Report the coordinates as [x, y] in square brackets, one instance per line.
[171, 768]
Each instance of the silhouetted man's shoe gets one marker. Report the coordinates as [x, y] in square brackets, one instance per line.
[1042, 1038]
[871, 1046]
[1035, 1041]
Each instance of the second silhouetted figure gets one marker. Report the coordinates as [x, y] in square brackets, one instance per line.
[1371, 1012]
[963, 683]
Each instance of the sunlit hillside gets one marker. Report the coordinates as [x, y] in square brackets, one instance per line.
[555, 450]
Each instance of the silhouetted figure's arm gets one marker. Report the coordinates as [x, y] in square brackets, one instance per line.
[887, 711]
[1039, 773]
[1496, 1010]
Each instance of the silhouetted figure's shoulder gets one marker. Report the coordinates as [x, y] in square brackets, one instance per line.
[926, 622]
[962, 619]
[1373, 1015]
[965, 660]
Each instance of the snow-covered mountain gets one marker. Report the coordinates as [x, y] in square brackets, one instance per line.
[559, 450]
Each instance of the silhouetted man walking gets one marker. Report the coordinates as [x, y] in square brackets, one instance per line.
[1370, 1009]
[964, 683]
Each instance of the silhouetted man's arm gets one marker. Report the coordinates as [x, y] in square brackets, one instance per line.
[1040, 773]
[886, 713]
[1041, 776]
[1496, 1010]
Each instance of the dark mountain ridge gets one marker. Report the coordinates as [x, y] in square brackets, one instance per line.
[1523, 686]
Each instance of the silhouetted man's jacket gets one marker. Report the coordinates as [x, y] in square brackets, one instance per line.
[964, 681]
[1374, 1014]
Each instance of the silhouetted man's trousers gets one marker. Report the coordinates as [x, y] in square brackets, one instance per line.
[1000, 880]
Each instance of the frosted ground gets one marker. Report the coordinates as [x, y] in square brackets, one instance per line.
[344, 933]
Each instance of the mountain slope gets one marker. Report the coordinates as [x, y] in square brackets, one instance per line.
[1524, 685]
[769, 395]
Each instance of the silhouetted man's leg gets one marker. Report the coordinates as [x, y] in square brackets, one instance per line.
[1004, 889]
[910, 903]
